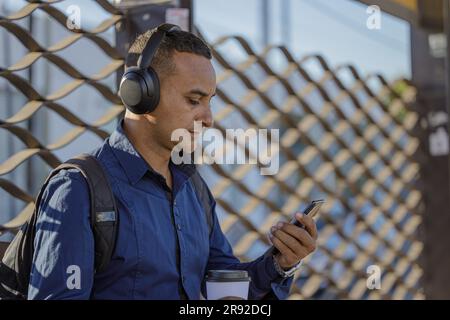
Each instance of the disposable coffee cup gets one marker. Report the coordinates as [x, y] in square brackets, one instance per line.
[227, 284]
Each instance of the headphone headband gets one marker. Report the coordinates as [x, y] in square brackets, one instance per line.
[145, 59]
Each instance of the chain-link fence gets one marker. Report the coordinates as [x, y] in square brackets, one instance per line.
[55, 104]
[343, 138]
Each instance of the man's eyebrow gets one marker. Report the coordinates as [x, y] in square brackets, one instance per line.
[200, 93]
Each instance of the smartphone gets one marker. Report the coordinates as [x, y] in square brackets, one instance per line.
[311, 210]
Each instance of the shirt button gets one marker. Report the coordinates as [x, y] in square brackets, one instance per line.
[178, 227]
[174, 202]
[183, 279]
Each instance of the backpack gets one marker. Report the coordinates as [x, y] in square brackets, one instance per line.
[15, 267]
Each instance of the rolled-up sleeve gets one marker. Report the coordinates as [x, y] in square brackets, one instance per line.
[63, 260]
[265, 280]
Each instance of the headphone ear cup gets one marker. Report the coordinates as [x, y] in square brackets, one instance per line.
[139, 90]
[153, 89]
[130, 90]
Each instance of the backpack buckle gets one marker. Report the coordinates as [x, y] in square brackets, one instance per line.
[106, 216]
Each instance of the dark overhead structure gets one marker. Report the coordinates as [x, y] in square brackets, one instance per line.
[430, 33]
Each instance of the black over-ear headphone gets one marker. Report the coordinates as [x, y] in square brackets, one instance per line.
[139, 87]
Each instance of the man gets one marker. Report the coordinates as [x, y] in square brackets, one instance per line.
[164, 246]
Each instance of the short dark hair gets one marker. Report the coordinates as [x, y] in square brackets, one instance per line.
[162, 63]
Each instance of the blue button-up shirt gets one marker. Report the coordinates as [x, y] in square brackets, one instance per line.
[164, 245]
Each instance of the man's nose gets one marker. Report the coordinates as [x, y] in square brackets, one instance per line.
[207, 118]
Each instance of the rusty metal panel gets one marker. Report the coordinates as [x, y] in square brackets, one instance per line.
[424, 13]
[404, 9]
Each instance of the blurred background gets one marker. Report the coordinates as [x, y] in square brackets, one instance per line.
[359, 92]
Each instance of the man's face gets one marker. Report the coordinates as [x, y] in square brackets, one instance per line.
[185, 97]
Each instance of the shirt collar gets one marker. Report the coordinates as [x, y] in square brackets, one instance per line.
[134, 165]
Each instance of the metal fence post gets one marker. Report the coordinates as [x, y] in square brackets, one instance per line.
[428, 64]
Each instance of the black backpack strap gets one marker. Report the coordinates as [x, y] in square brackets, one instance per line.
[204, 196]
[104, 215]
[15, 266]
[16, 263]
